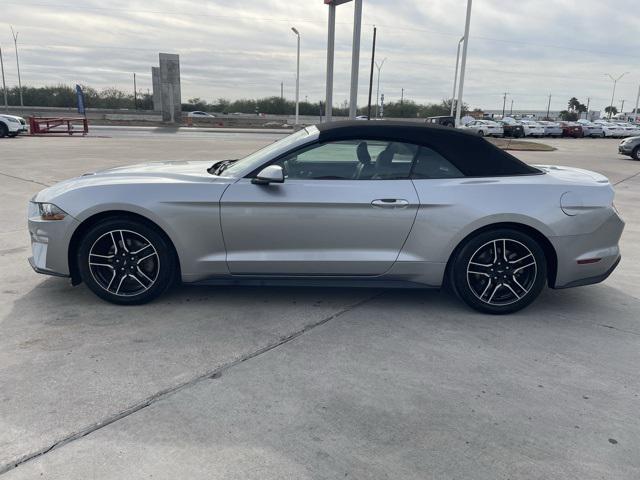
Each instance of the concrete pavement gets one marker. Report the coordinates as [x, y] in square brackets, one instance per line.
[309, 383]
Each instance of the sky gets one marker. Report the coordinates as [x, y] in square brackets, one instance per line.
[245, 48]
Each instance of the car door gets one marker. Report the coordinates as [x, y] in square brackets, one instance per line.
[345, 208]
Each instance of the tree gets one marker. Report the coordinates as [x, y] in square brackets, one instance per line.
[568, 116]
[576, 107]
[611, 110]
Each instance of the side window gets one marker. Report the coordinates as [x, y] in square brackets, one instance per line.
[430, 164]
[351, 160]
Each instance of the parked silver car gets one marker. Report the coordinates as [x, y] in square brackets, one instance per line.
[344, 203]
[631, 147]
[590, 129]
[484, 128]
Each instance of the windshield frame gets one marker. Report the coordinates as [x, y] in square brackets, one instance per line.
[253, 161]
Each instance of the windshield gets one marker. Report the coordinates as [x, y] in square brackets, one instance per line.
[254, 160]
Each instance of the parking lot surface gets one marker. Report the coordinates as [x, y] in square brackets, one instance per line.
[222, 382]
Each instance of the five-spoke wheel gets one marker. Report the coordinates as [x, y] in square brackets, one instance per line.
[499, 271]
[126, 261]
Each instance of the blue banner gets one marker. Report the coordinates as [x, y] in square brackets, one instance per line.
[80, 96]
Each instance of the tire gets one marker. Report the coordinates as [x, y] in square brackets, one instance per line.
[481, 133]
[635, 154]
[13, 135]
[143, 254]
[4, 131]
[476, 276]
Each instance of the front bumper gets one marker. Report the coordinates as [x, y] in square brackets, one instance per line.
[600, 244]
[625, 149]
[50, 241]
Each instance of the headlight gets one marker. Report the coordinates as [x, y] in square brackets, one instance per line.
[48, 211]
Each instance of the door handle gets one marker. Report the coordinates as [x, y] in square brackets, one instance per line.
[390, 203]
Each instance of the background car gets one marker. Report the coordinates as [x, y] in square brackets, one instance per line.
[610, 129]
[630, 147]
[551, 129]
[353, 194]
[590, 129]
[444, 120]
[12, 125]
[628, 130]
[532, 129]
[484, 128]
[512, 130]
[199, 114]
[571, 129]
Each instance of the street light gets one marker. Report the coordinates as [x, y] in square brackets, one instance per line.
[615, 81]
[15, 43]
[294, 30]
[379, 66]
[455, 77]
[4, 85]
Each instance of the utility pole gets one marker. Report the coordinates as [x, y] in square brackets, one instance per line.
[504, 102]
[548, 107]
[4, 85]
[622, 106]
[373, 60]
[15, 44]
[511, 109]
[331, 40]
[464, 63]
[135, 93]
[636, 110]
[455, 77]
[402, 102]
[355, 59]
[281, 90]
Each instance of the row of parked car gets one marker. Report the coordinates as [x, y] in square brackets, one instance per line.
[509, 127]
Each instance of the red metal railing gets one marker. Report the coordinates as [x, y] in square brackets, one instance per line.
[59, 125]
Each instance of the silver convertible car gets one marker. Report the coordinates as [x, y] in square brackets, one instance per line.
[391, 204]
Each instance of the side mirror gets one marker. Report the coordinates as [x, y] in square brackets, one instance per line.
[270, 174]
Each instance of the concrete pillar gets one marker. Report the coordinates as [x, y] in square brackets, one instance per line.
[157, 89]
[170, 88]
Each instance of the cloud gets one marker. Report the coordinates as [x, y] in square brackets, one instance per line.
[245, 48]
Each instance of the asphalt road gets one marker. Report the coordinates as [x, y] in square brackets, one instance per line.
[308, 383]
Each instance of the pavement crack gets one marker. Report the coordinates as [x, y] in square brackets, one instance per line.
[611, 327]
[627, 178]
[30, 180]
[162, 394]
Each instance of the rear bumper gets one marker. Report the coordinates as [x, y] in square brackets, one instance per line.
[577, 254]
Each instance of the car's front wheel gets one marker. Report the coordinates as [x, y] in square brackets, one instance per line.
[499, 271]
[126, 261]
[635, 154]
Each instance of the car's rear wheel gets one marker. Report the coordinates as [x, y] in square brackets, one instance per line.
[499, 271]
[125, 261]
[4, 131]
[636, 153]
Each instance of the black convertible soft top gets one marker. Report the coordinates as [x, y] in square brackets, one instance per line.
[472, 155]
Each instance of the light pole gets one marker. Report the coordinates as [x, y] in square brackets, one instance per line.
[15, 44]
[297, 73]
[4, 85]
[622, 106]
[548, 107]
[464, 63]
[373, 59]
[511, 109]
[379, 66]
[455, 77]
[355, 59]
[613, 94]
[504, 102]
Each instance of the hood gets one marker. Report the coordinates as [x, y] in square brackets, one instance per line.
[143, 173]
[14, 117]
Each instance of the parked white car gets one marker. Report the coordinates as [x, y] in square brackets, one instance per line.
[484, 128]
[591, 129]
[532, 129]
[610, 129]
[198, 114]
[551, 129]
[628, 130]
[12, 125]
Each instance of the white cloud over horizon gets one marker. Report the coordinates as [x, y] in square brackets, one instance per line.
[245, 48]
